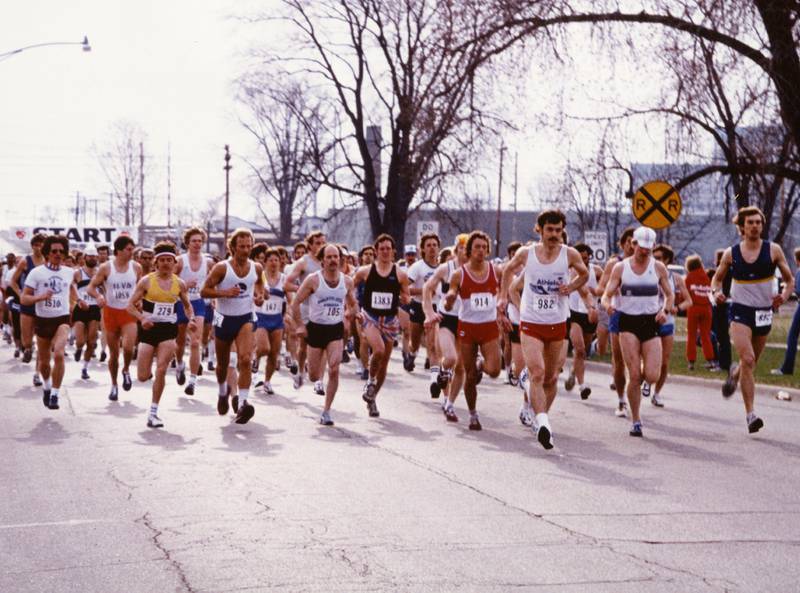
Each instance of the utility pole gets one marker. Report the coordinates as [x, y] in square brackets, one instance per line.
[514, 221]
[77, 206]
[499, 192]
[227, 168]
[141, 192]
[169, 185]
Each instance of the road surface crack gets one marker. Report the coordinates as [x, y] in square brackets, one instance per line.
[156, 539]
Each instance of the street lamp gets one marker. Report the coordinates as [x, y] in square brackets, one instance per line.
[84, 46]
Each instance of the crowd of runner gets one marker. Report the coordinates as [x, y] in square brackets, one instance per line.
[315, 305]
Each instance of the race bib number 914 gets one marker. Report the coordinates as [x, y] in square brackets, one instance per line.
[482, 301]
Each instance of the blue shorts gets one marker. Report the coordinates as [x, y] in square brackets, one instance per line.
[269, 322]
[198, 306]
[208, 312]
[759, 320]
[666, 330]
[613, 322]
[28, 310]
[227, 327]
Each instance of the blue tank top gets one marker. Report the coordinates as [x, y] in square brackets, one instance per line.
[752, 283]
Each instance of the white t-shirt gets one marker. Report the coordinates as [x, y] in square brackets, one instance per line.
[418, 275]
[41, 279]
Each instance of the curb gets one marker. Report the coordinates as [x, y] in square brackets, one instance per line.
[702, 381]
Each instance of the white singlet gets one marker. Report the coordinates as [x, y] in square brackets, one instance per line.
[326, 304]
[119, 286]
[541, 302]
[418, 275]
[273, 304]
[41, 279]
[575, 301]
[242, 304]
[638, 293]
[188, 274]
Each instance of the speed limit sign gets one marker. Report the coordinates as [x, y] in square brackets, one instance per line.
[425, 227]
[598, 241]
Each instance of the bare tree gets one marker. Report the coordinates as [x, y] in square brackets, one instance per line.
[287, 126]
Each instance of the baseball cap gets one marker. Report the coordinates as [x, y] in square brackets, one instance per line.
[410, 249]
[645, 237]
[90, 250]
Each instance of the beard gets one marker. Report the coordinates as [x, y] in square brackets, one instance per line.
[90, 263]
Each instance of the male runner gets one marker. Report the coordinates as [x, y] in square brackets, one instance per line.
[159, 292]
[544, 310]
[192, 268]
[27, 313]
[86, 314]
[48, 288]
[418, 274]
[270, 324]
[582, 323]
[385, 287]
[329, 292]
[636, 281]
[476, 283]
[236, 283]
[752, 263]
[119, 278]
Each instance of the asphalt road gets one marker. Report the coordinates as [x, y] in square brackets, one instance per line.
[93, 501]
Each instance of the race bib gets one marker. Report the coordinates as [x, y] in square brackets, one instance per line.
[273, 307]
[53, 303]
[333, 311]
[382, 300]
[194, 293]
[545, 303]
[218, 319]
[482, 301]
[763, 318]
[163, 313]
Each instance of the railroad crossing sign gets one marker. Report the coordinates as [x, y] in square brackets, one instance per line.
[656, 204]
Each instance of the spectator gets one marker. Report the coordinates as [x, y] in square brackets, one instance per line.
[699, 313]
[787, 368]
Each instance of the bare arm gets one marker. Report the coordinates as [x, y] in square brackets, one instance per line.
[611, 287]
[686, 298]
[428, 290]
[98, 279]
[455, 283]
[309, 285]
[259, 289]
[719, 276]
[606, 275]
[780, 261]
[21, 267]
[511, 268]
[575, 262]
[515, 291]
[136, 298]
[209, 290]
[666, 288]
[290, 285]
[402, 277]
[350, 299]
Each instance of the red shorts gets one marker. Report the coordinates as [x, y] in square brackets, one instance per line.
[545, 331]
[115, 319]
[477, 333]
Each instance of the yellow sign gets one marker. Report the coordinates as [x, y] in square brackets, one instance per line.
[656, 204]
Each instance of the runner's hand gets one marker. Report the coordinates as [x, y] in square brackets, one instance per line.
[661, 317]
[83, 304]
[301, 331]
[431, 320]
[777, 301]
[233, 291]
[147, 323]
[101, 300]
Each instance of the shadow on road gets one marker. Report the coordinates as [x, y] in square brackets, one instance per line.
[249, 438]
[47, 432]
[169, 441]
[124, 409]
[196, 406]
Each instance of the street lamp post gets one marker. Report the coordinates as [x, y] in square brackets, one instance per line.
[227, 168]
[84, 45]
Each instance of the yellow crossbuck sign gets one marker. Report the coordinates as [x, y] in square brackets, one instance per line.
[656, 204]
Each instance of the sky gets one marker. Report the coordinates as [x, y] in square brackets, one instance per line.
[169, 67]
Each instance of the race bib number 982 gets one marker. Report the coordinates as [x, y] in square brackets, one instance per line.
[545, 303]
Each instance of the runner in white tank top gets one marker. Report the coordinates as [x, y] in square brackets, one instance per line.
[418, 274]
[582, 324]
[636, 280]
[329, 293]
[237, 283]
[544, 308]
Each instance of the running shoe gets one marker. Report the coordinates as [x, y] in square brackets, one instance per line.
[293, 368]
[350, 346]
[259, 383]
[113, 395]
[657, 401]
[512, 378]
[211, 366]
[612, 386]
[254, 365]
[450, 413]
[173, 364]
[245, 413]
[443, 378]
[408, 362]
[427, 363]
[525, 416]
[54, 406]
[126, 381]
[368, 395]
[319, 388]
[297, 382]
[180, 376]
[365, 375]
[85, 374]
[27, 355]
[569, 383]
[154, 421]
[189, 389]
[268, 388]
[622, 410]
[754, 424]
[436, 391]
[103, 356]
[474, 422]
[345, 356]
[222, 405]
[325, 419]
[37, 380]
[16, 352]
[78, 352]
[372, 407]
[645, 389]
[712, 367]
[777, 372]
[586, 392]
[636, 430]
[46, 397]
[235, 404]
[729, 386]
[544, 436]
[689, 366]
[199, 369]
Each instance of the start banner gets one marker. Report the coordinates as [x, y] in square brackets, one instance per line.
[79, 235]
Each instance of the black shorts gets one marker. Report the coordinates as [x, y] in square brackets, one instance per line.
[160, 332]
[416, 313]
[513, 335]
[86, 315]
[320, 335]
[450, 322]
[643, 327]
[46, 327]
[582, 319]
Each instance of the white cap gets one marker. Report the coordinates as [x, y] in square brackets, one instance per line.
[410, 249]
[645, 237]
[90, 250]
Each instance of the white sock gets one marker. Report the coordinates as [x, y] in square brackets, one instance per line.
[53, 392]
[541, 420]
[434, 373]
[223, 389]
[154, 409]
[180, 366]
[48, 384]
[243, 393]
[86, 364]
[581, 387]
[192, 379]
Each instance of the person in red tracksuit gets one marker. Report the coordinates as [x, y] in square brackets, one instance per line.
[699, 313]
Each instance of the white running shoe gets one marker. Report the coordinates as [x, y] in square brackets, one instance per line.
[622, 410]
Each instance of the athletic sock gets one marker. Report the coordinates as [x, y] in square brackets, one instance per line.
[243, 393]
[192, 379]
[86, 364]
[53, 392]
[180, 366]
[223, 389]
[541, 420]
[154, 409]
[751, 416]
[581, 387]
[434, 373]
[48, 384]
